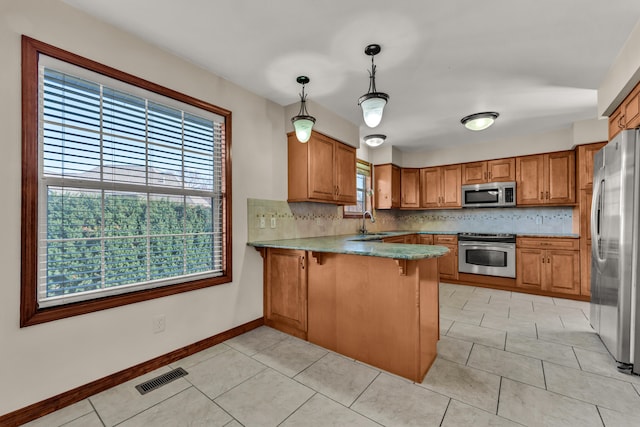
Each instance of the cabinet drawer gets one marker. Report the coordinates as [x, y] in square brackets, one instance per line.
[548, 243]
[445, 239]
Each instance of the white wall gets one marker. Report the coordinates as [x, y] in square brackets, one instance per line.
[582, 132]
[623, 75]
[41, 361]
[327, 122]
[530, 144]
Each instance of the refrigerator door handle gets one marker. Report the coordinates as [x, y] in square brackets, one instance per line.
[597, 204]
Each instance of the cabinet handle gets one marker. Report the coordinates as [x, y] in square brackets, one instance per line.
[485, 175]
[547, 195]
[302, 263]
[542, 195]
[548, 260]
[620, 125]
[543, 260]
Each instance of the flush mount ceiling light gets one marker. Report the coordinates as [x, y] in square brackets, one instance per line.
[372, 102]
[303, 122]
[479, 121]
[374, 140]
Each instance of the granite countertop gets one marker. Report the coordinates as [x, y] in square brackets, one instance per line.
[356, 244]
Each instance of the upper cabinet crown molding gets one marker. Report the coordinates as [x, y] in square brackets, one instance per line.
[627, 115]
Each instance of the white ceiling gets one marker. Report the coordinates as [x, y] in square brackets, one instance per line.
[538, 63]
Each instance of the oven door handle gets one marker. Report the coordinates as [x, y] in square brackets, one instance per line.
[499, 245]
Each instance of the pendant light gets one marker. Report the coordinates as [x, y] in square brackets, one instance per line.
[303, 122]
[479, 121]
[372, 102]
[374, 140]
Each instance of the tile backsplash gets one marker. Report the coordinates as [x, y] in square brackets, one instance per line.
[306, 219]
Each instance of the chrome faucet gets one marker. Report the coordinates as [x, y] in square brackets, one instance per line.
[363, 229]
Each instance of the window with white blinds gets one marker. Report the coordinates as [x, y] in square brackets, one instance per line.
[131, 187]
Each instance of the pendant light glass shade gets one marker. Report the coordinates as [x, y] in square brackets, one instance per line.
[374, 140]
[303, 126]
[303, 122]
[479, 121]
[372, 108]
[373, 102]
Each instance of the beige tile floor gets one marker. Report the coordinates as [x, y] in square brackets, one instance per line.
[505, 359]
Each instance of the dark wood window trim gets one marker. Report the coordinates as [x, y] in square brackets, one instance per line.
[30, 313]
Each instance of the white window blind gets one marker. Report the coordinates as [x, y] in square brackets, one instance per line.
[131, 188]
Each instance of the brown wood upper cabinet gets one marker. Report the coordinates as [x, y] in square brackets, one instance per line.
[387, 185]
[322, 170]
[410, 188]
[440, 187]
[546, 179]
[627, 115]
[489, 171]
[586, 153]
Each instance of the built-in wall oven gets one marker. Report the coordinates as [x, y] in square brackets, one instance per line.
[488, 254]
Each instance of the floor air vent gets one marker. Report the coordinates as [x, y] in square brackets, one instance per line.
[161, 380]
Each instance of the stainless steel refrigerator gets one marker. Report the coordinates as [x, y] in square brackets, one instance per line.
[614, 250]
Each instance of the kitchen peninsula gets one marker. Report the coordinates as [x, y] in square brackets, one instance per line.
[372, 301]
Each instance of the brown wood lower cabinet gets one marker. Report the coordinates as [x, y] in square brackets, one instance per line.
[448, 264]
[363, 307]
[285, 291]
[550, 265]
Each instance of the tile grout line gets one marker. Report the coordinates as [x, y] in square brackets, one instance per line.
[96, 411]
[444, 415]
[298, 408]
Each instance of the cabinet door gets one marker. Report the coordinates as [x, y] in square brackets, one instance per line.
[387, 186]
[396, 190]
[616, 122]
[632, 110]
[530, 180]
[530, 268]
[321, 168]
[501, 170]
[586, 154]
[430, 187]
[562, 272]
[425, 239]
[585, 214]
[474, 173]
[285, 291]
[451, 193]
[560, 174]
[345, 174]
[410, 188]
[395, 239]
[448, 264]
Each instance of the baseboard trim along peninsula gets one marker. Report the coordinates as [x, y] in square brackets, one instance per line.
[70, 397]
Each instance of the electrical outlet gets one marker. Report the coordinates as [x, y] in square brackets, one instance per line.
[158, 323]
[538, 219]
[273, 221]
[262, 222]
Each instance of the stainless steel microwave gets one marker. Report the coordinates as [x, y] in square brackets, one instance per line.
[489, 195]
